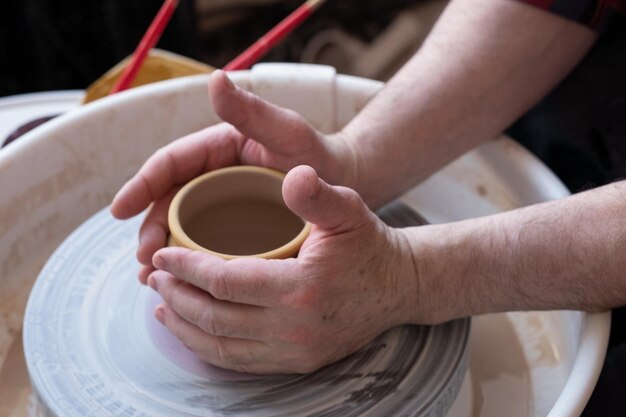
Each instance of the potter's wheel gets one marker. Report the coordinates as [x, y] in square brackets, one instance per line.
[93, 348]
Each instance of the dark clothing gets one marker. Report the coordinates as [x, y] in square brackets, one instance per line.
[597, 14]
[579, 131]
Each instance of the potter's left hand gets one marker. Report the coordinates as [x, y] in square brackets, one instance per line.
[294, 315]
[254, 132]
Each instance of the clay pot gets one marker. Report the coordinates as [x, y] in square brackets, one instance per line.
[234, 212]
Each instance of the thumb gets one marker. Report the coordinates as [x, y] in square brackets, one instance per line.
[332, 208]
[275, 127]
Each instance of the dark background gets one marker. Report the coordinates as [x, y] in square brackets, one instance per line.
[58, 45]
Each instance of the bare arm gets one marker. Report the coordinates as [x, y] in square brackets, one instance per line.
[566, 254]
[483, 65]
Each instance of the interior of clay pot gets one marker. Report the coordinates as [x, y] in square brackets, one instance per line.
[60, 174]
[236, 211]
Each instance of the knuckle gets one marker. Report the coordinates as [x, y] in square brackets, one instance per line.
[356, 205]
[194, 264]
[293, 119]
[296, 124]
[161, 155]
[307, 298]
[223, 354]
[194, 257]
[190, 260]
[166, 159]
[220, 286]
[291, 114]
[172, 292]
[210, 324]
[354, 199]
[166, 289]
[208, 356]
[142, 177]
[164, 152]
[159, 152]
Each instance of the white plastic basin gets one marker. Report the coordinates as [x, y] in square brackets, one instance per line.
[57, 176]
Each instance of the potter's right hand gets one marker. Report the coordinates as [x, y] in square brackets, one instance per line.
[255, 133]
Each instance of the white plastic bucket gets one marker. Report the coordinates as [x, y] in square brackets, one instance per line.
[57, 176]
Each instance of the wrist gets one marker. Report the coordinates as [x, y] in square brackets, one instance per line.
[420, 294]
[436, 263]
[422, 298]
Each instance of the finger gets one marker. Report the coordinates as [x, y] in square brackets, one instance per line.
[154, 230]
[329, 207]
[215, 317]
[144, 272]
[252, 281]
[174, 164]
[236, 354]
[275, 127]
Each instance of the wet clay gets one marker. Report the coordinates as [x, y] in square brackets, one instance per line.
[14, 383]
[499, 370]
[243, 227]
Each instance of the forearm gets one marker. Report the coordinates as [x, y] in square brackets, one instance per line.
[483, 65]
[565, 254]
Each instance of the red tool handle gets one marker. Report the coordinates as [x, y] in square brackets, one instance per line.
[258, 49]
[148, 41]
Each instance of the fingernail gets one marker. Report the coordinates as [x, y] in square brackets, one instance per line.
[152, 282]
[159, 262]
[229, 82]
[159, 313]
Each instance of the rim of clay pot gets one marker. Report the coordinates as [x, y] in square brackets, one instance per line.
[177, 232]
